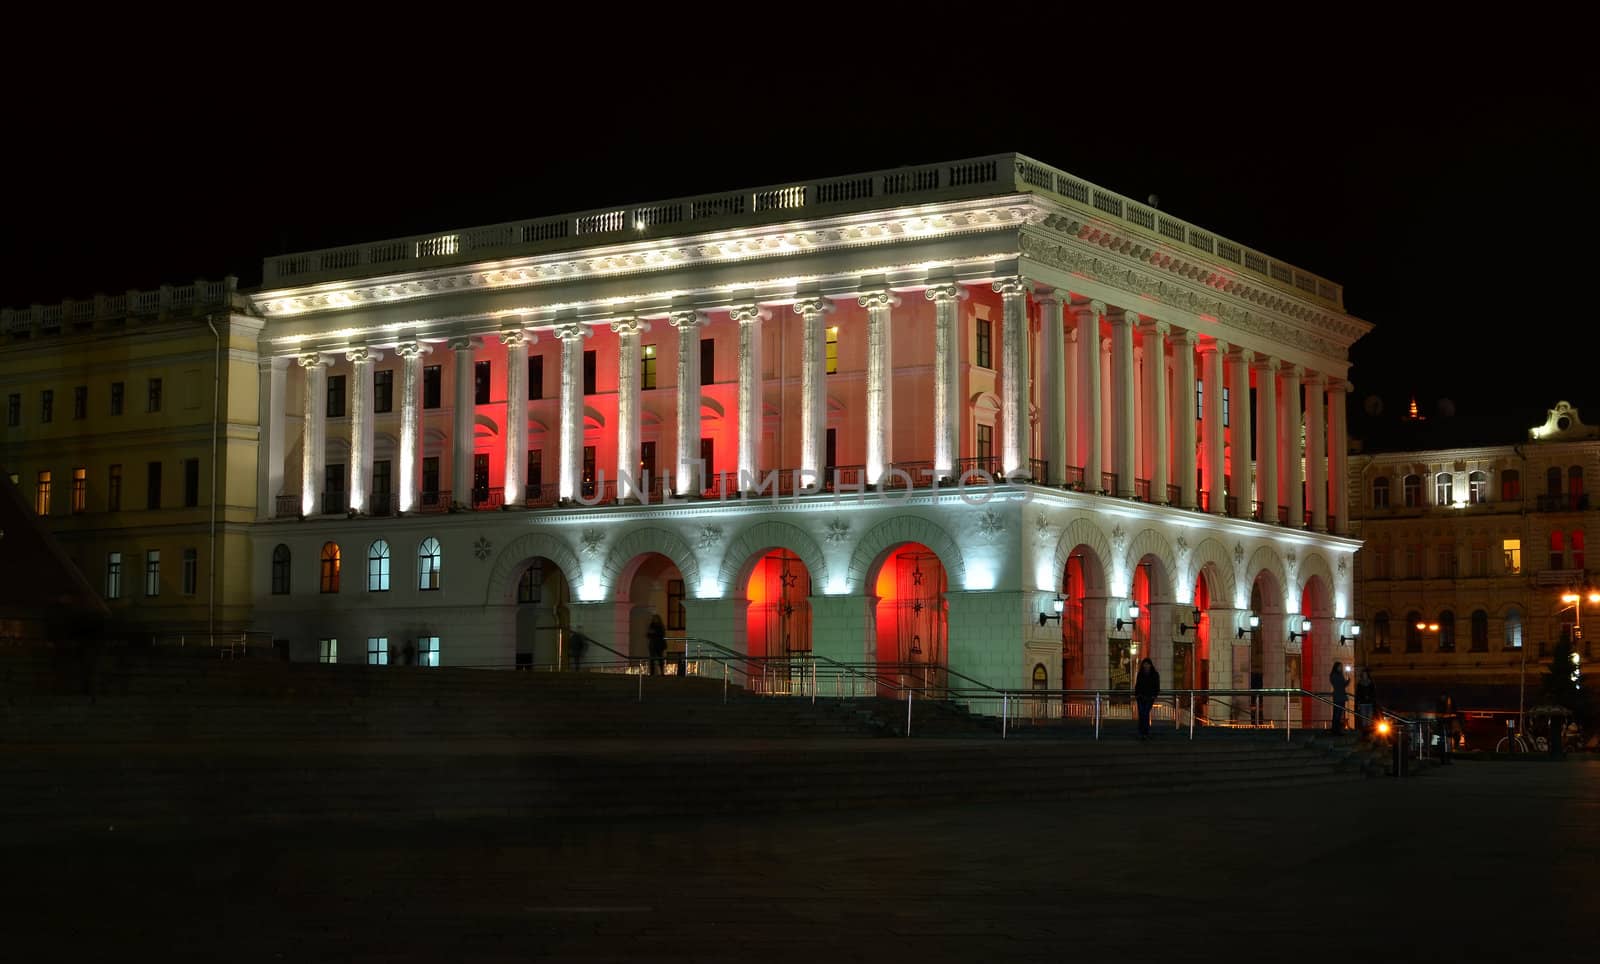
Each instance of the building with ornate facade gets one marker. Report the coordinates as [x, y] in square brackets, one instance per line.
[749, 413]
[130, 426]
[1468, 551]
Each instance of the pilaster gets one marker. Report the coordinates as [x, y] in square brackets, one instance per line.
[880, 388]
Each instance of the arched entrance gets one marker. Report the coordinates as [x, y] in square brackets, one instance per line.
[544, 616]
[778, 619]
[1316, 655]
[911, 616]
[651, 585]
[1086, 654]
[1191, 650]
[1266, 653]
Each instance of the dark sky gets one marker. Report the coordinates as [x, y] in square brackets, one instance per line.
[1452, 194]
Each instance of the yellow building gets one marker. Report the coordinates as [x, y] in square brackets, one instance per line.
[131, 426]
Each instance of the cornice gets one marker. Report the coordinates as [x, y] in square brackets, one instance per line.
[857, 231]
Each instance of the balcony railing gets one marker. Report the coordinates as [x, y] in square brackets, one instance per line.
[114, 311]
[1141, 489]
[1283, 515]
[288, 506]
[541, 495]
[434, 500]
[1204, 500]
[1108, 483]
[334, 503]
[1039, 470]
[488, 497]
[982, 463]
[1230, 505]
[380, 503]
[1074, 477]
[1174, 494]
[1563, 502]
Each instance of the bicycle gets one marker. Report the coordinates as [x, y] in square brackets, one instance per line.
[1514, 742]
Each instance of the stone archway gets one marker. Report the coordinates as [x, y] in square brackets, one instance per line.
[1083, 575]
[878, 540]
[1213, 555]
[501, 586]
[746, 548]
[644, 541]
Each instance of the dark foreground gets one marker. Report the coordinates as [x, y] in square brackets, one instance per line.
[1478, 861]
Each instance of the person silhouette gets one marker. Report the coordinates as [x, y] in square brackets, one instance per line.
[1145, 690]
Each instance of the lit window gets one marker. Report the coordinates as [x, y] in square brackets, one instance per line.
[1513, 629]
[1478, 488]
[1225, 400]
[427, 651]
[377, 651]
[647, 368]
[1443, 487]
[330, 567]
[41, 499]
[832, 351]
[280, 570]
[191, 571]
[80, 490]
[327, 650]
[985, 344]
[1199, 399]
[378, 567]
[428, 564]
[152, 572]
[113, 575]
[1511, 552]
[1558, 546]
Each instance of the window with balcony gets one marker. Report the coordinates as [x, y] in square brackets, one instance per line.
[1575, 484]
[432, 386]
[1477, 488]
[383, 391]
[1443, 489]
[1380, 493]
[1412, 487]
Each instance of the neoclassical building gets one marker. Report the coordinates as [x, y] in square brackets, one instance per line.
[1468, 552]
[769, 416]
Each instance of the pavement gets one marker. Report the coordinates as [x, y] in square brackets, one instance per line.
[1488, 861]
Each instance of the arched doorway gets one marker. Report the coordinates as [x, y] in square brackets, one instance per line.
[544, 615]
[1086, 653]
[1265, 664]
[911, 616]
[778, 619]
[1191, 650]
[1316, 655]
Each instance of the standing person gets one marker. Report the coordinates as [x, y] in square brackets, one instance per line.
[1145, 690]
[576, 642]
[657, 636]
[1366, 699]
[1339, 682]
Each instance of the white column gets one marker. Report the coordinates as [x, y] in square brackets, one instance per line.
[1294, 452]
[1016, 434]
[691, 478]
[1240, 475]
[1216, 460]
[410, 353]
[273, 390]
[628, 332]
[813, 385]
[1053, 385]
[1338, 454]
[516, 430]
[570, 471]
[1155, 363]
[466, 420]
[1089, 424]
[1267, 437]
[361, 434]
[1069, 386]
[313, 444]
[751, 384]
[1107, 432]
[947, 411]
[880, 388]
[1317, 451]
[1124, 419]
[1183, 362]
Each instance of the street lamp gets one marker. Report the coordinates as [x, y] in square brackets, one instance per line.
[1574, 598]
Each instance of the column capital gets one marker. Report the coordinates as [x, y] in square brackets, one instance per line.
[1267, 363]
[1293, 371]
[1342, 385]
[1045, 295]
[271, 363]
[877, 299]
[362, 355]
[684, 320]
[1095, 308]
[572, 332]
[514, 338]
[313, 359]
[1215, 345]
[410, 349]
[1243, 355]
[945, 292]
[463, 343]
[748, 314]
[1155, 326]
[1012, 287]
[631, 325]
[813, 305]
[1315, 378]
[1126, 316]
[1184, 336]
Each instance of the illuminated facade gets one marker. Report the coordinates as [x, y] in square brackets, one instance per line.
[131, 426]
[878, 332]
[1468, 552]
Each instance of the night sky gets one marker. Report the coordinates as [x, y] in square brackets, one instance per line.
[1455, 202]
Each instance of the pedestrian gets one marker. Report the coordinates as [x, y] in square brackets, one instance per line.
[1366, 700]
[1145, 690]
[1339, 682]
[1446, 721]
[577, 642]
[657, 636]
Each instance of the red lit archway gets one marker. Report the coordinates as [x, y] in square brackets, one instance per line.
[778, 619]
[911, 614]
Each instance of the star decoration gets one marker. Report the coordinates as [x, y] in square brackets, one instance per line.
[709, 536]
[916, 577]
[482, 547]
[789, 579]
[838, 531]
[592, 539]
[990, 525]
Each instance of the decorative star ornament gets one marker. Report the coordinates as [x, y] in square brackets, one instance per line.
[482, 548]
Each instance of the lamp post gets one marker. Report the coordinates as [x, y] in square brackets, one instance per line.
[1574, 599]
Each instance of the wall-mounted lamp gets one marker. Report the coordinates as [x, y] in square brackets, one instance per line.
[1305, 630]
[1355, 634]
[1183, 628]
[1133, 614]
[1255, 623]
[1057, 605]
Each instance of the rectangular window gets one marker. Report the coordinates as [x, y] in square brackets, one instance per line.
[480, 477]
[985, 442]
[708, 362]
[1413, 563]
[535, 377]
[47, 405]
[327, 650]
[1557, 550]
[1199, 399]
[383, 390]
[589, 358]
[427, 651]
[1380, 563]
[80, 490]
[41, 499]
[116, 398]
[152, 572]
[480, 383]
[431, 386]
[985, 344]
[535, 470]
[647, 368]
[377, 651]
[647, 462]
[1226, 398]
[708, 457]
[1510, 486]
[588, 471]
[80, 402]
[831, 456]
[152, 402]
[832, 350]
[114, 490]
[1511, 554]
[675, 614]
[1447, 562]
[113, 575]
[1575, 540]
[335, 396]
[14, 409]
[191, 570]
[1480, 561]
[430, 479]
[152, 485]
[191, 483]
[382, 481]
